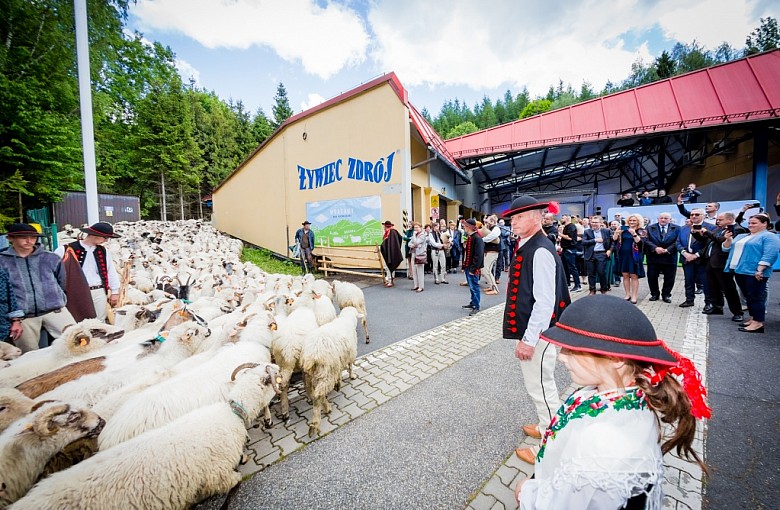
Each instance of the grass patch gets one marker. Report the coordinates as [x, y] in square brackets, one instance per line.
[269, 263]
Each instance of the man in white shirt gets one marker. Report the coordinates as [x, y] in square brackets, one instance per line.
[97, 265]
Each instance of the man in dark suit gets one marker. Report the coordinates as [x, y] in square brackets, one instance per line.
[597, 247]
[693, 257]
[721, 283]
[661, 250]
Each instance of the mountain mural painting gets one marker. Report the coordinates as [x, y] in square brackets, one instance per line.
[346, 221]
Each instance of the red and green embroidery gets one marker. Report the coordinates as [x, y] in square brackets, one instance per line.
[575, 407]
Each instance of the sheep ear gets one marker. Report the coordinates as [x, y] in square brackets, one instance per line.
[66, 327]
[40, 404]
[45, 425]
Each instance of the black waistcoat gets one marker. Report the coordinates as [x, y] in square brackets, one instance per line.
[519, 295]
[100, 259]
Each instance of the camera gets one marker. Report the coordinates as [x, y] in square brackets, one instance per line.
[730, 228]
[697, 227]
[755, 204]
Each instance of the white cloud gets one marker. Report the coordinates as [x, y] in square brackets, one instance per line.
[483, 45]
[187, 71]
[311, 101]
[324, 39]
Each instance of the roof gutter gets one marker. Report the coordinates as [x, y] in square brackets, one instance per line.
[437, 155]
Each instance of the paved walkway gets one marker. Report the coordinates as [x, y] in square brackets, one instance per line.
[408, 379]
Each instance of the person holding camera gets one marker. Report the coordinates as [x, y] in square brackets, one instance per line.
[693, 258]
[710, 211]
[751, 257]
[418, 248]
[689, 194]
[720, 283]
[630, 247]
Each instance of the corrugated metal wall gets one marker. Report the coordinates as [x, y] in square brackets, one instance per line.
[72, 209]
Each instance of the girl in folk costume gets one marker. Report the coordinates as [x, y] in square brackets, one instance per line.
[604, 447]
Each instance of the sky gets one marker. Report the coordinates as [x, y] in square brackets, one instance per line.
[439, 49]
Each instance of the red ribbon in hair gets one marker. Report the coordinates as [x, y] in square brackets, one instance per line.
[691, 381]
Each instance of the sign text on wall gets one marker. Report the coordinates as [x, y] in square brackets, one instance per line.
[357, 170]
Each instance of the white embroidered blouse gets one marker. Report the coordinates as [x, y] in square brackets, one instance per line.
[600, 450]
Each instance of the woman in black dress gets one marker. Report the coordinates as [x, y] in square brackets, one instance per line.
[630, 254]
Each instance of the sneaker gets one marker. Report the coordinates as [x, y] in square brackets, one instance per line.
[474, 311]
[576, 289]
[468, 306]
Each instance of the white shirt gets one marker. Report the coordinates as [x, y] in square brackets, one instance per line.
[599, 462]
[544, 295]
[90, 268]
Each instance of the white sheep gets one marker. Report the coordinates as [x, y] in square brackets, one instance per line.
[171, 467]
[8, 351]
[326, 352]
[183, 341]
[287, 349]
[348, 294]
[85, 339]
[13, 405]
[164, 402]
[28, 444]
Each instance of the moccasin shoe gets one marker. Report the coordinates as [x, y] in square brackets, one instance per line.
[532, 430]
[526, 455]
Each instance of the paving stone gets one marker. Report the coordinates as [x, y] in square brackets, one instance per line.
[498, 490]
[353, 410]
[483, 502]
[288, 444]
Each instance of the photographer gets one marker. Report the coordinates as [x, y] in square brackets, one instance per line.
[710, 210]
[692, 257]
[745, 208]
[720, 283]
[626, 200]
[689, 194]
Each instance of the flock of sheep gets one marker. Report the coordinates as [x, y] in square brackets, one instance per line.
[151, 410]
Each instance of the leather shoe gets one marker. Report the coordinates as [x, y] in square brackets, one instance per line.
[699, 291]
[686, 304]
[654, 298]
[757, 330]
[707, 309]
[738, 318]
[468, 306]
[474, 311]
[667, 299]
[714, 310]
[532, 430]
[526, 455]
[592, 293]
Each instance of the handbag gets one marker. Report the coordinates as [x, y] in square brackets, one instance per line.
[420, 259]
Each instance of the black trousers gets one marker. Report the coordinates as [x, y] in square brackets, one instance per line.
[653, 271]
[695, 273]
[596, 266]
[722, 284]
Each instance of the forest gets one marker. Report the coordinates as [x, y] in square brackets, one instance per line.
[155, 131]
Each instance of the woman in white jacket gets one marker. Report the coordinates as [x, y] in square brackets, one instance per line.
[419, 252]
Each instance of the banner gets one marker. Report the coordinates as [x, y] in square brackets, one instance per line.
[346, 221]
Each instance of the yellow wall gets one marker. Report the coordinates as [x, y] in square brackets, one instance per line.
[261, 198]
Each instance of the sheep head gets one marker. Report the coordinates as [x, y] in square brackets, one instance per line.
[13, 405]
[88, 335]
[56, 418]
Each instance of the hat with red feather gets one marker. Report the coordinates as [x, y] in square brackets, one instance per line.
[528, 203]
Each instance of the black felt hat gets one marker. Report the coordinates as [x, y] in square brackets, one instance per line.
[610, 326]
[22, 230]
[101, 229]
[307, 222]
[528, 203]
[388, 223]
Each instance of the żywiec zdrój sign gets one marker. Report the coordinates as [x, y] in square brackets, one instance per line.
[355, 169]
[346, 221]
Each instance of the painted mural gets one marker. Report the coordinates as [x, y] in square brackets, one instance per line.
[346, 221]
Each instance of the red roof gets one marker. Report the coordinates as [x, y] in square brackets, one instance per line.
[737, 91]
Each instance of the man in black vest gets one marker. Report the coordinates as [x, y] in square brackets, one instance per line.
[537, 293]
[97, 265]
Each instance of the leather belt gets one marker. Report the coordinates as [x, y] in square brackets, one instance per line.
[96, 287]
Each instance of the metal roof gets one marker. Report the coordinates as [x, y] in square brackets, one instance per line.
[738, 91]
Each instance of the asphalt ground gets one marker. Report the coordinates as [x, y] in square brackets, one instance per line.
[396, 313]
[742, 439]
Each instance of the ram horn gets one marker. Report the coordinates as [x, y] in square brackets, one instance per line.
[241, 367]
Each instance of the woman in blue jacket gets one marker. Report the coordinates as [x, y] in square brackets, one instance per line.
[751, 257]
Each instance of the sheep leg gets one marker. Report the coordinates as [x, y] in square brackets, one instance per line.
[365, 328]
[284, 398]
[326, 404]
[307, 382]
[351, 373]
[314, 425]
[267, 421]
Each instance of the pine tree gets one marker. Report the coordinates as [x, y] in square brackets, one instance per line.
[281, 108]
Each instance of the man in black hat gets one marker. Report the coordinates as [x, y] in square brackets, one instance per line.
[97, 266]
[38, 279]
[391, 252]
[305, 237]
[537, 293]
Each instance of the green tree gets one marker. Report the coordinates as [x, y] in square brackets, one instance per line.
[487, 114]
[665, 66]
[261, 126]
[536, 107]
[764, 38]
[690, 57]
[281, 108]
[461, 129]
[586, 92]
